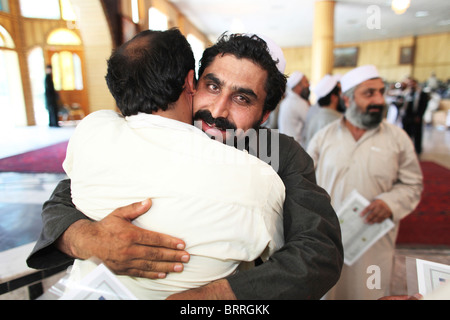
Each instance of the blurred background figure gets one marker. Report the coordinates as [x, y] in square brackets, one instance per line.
[295, 106]
[51, 98]
[415, 105]
[328, 95]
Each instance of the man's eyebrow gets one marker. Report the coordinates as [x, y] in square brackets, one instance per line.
[246, 91]
[213, 77]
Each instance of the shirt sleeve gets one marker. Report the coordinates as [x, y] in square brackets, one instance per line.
[58, 214]
[310, 262]
[404, 196]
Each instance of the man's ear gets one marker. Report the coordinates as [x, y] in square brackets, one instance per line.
[346, 100]
[265, 116]
[189, 82]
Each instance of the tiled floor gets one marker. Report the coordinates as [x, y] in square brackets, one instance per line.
[22, 195]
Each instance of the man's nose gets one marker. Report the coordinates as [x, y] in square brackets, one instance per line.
[379, 98]
[220, 107]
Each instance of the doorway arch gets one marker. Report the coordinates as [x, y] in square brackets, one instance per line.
[64, 51]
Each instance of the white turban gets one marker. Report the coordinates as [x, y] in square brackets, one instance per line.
[294, 79]
[325, 85]
[358, 75]
[274, 50]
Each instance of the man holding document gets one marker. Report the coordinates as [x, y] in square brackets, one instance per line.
[369, 168]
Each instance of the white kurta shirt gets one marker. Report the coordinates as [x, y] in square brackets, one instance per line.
[292, 115]
[224, 203]
[382, 164]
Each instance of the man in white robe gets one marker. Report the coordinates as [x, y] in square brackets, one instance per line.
[365, 153]
[328, 94]
[294, 107]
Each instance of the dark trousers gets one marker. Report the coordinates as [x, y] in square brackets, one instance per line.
[414, 128]
[53, 116]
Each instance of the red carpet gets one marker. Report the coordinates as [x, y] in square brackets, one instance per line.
[429, 224]
[45, 160]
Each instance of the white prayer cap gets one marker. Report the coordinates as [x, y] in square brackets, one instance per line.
[325, 85]
[274, 50]
[358, 75]
[294, 79]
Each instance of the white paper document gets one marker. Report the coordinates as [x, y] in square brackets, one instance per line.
[100, 284]
[431, 276]
[357, 236]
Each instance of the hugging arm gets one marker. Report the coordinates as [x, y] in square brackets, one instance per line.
[123, 247]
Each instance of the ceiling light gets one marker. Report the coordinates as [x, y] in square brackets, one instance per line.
[420, 14]
[444, 23]
[400, 6]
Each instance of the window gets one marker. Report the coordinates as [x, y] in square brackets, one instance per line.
[66, 67]
[135, 11]
[63, 37]
[12, 104]
[66, 64]
[157, 20]
[5, 39]
[44, 9]
[48, 9]
[4, 5]
[67, 11]
[36, 67]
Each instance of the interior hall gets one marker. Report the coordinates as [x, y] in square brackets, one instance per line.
[76, 37]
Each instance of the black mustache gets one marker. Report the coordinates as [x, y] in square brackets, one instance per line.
[220, 123]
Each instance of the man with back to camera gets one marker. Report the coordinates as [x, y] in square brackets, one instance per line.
[363, 152]
[310, 261]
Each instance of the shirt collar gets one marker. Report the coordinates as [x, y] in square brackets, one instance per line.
[145, 120]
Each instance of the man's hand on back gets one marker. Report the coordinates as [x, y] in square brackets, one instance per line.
[124, 248]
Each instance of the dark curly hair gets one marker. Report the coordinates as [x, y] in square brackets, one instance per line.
[255, 49]
[147, 73]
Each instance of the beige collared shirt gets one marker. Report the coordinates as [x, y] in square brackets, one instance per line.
[382, 164]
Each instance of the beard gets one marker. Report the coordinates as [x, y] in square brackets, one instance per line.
[305, 94]
[369, 119]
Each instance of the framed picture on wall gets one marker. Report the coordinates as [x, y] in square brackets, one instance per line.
[345, 57]
[406, 55]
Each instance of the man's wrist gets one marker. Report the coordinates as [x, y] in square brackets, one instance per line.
[67, 242]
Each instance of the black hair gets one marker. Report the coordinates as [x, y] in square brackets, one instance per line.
[147, 73]
[255, 49]
[325, 101]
